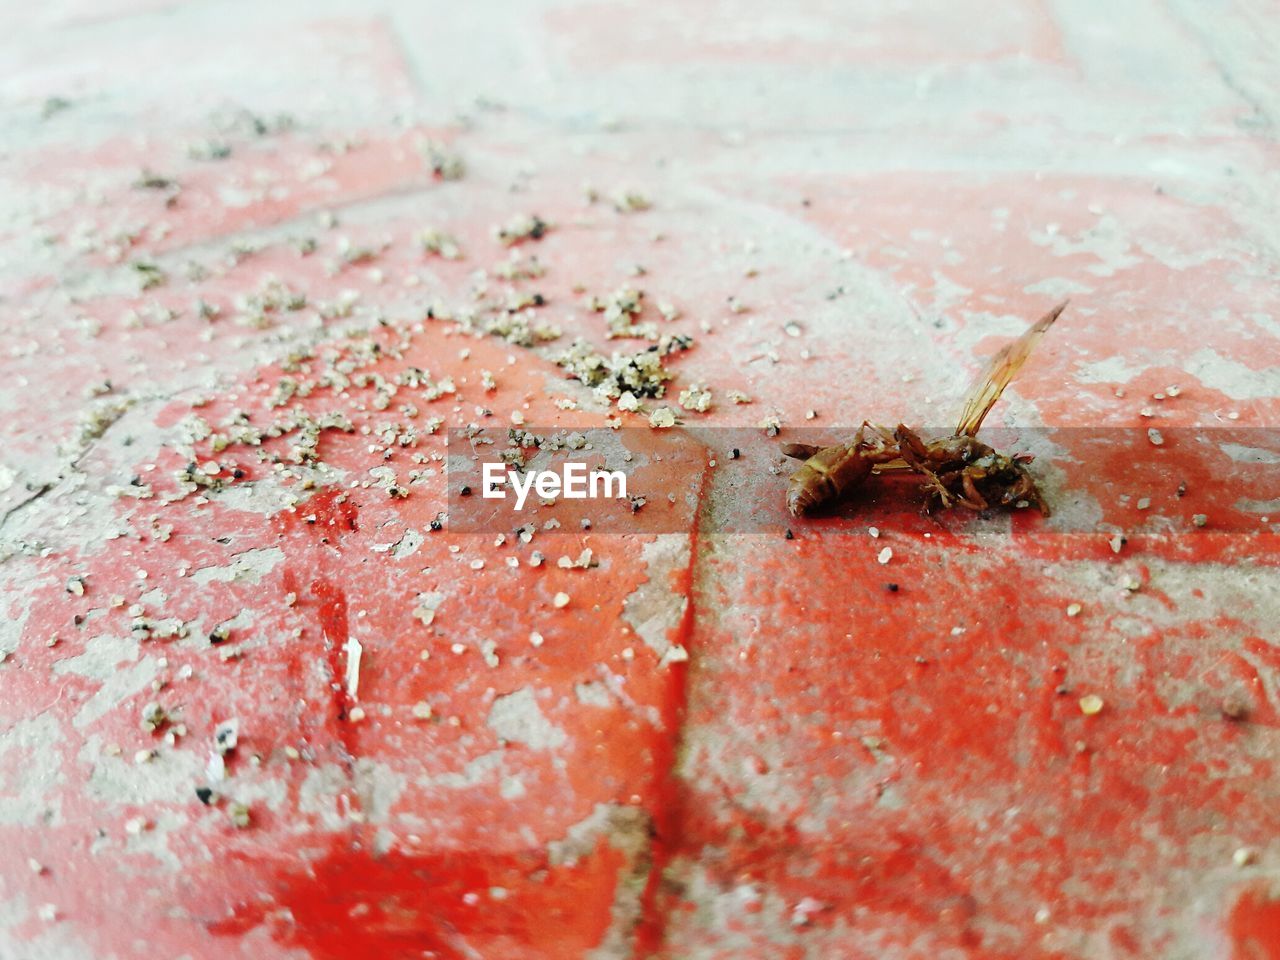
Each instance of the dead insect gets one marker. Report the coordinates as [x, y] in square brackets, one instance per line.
[828, 473]
[958, 470]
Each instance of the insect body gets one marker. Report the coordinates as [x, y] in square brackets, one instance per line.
[966, 472]
[958, 470]
[829, 472]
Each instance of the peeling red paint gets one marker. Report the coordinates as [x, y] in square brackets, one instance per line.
[840, 768]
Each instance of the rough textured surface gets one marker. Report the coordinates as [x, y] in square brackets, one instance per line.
[235, 332]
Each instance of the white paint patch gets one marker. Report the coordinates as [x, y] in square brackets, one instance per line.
[517, 718]
[979, 324]
[11, 626]
[101, 656]
[119, 685]
[653, 608]
[52, 941]
[1057, 288]
[265, 496]
[1266, 322]
[247, 567]
[1242, 454]
[118, 780]
[319, 794]
[1232, 377]
[947, 293]
[407, 545]
[476, 771]
[155, 839]
[593, 693]
[1266, 507]
[236, 197]
[1110, 370]
[30, 769]
[379, 787]
[426, 607]
[1106, 240]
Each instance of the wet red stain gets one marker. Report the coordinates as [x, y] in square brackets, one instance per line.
[669, 791]
[332, 613]
[329, 514]
[439, 906]
[1254, 926]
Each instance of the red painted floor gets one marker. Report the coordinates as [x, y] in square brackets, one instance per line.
[253, 703]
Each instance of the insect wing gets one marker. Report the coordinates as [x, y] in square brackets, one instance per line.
[1000, 371]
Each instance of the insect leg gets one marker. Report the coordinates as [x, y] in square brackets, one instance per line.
[972, 498]
[799, 451]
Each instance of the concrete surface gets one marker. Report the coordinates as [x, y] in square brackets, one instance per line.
[272, 713]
